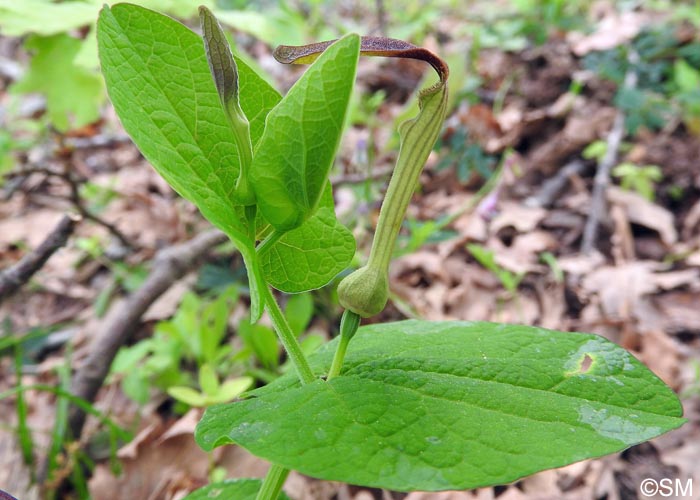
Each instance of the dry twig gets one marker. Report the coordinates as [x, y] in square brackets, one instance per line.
[552, 187]
[602, 177]
[73, 197]
[13, 278]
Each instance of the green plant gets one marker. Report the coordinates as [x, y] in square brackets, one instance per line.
[194, 335]
[64, 458]
[639, 179]
[413, 405]
[595, 151]
[686, 79]
[212, 390]
[465, 156]
[665, 72]
[60, 39]
[487, 258]
[551, 261]
[422, 232]
[127, 276]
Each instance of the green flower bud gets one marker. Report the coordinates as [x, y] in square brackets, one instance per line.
[225, 74]
[365, 292]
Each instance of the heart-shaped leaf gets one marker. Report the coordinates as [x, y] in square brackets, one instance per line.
[451, 405]
[309, 256]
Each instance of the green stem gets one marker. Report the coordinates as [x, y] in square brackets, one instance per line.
[241, 134]
[273, 482]
[348, 326]
[288, 339]
[250, 212]
[267, 243]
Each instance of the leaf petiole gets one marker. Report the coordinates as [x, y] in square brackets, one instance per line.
[287, 337]
[273, 482]
[349, 324]
[250, 212]
[268, 242]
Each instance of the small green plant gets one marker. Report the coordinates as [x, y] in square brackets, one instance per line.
[632, 177]
[413, 405]
[686, 79]
[464, 156]
[639, 179]
[487, 258]
[550, 260]
[212, 390]
[666, 72]
[193, 336]
[595, 150]
[422, 232]
[61, 451]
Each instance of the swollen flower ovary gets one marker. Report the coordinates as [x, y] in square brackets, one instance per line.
[365, 291]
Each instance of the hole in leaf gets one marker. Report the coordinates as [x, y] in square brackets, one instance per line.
[585, 364]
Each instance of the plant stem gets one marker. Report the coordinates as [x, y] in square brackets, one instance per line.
[348, 326]
[288, 339]
[273, 482]
[267, 243]
[250, 211]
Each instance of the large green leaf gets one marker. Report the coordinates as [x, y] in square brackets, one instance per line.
[73, 93]
[48, 17]
[159, 82]
[310, 256]
[232, 489]
[291, 163]
[451, 405]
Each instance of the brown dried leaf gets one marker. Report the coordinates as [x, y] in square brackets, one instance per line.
[678, 311]
[613, 30]
[522, 256]
[160, 468]
[580, 264]
[641, 211]
[518, 216]
[583, 126]
[661, 354]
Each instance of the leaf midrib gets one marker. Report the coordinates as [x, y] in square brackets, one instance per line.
[486, 381]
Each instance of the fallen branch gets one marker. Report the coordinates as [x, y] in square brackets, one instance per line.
[551, 188]
[77, 200]
[169, 265]
[602, 176]
[73, 197]
[12, 278]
